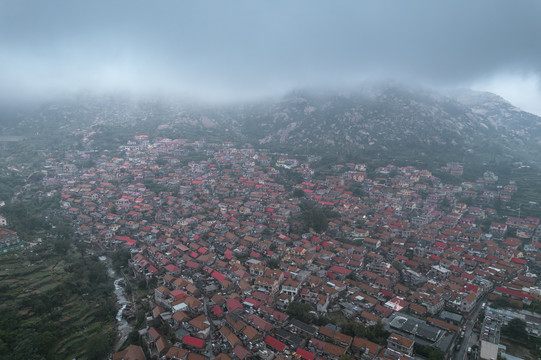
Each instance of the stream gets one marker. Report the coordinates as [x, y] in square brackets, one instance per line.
[122, 325]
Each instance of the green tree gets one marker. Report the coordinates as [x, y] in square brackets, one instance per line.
[429, 352]
[498, 205]
[61, 246]
[300, 311]
[378, 334]
[27, 348]
[436, 354]
[98, 346]
[357, 190]
[298, 193]
[315, 218]
[516, 329]
[62, 230]
[273, 263]
[120, 258]
[47, 342]
[4, 349]
[503, 303]
[445, 204]
[133, 338]
[481, 316]
[353, 328]
[535, 306]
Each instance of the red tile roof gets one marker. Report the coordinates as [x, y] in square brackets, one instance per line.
[171, 268]
[218, 276]
[154, 333]
[241, 352]
[275, 343]
[340, 270]
[193, 341]
[217, 310]
[467, 276]
[513, 293]
[233, 304]
[307, 355]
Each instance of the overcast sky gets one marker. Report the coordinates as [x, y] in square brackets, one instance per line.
[241, 50]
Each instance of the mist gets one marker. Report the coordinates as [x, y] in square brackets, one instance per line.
[244, 50]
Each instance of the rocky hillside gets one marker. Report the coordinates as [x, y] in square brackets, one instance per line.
[385, 122]
[516, 128]
[389, 121]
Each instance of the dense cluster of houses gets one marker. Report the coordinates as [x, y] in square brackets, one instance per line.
[224, 239]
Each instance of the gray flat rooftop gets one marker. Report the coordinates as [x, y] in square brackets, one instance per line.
[415, 327]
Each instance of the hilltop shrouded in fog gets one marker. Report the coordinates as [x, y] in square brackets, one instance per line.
[238, 51]
[376, 122]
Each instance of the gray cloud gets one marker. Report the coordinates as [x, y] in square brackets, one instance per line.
[226, 50]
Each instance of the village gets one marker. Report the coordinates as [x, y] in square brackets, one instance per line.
[237, 273]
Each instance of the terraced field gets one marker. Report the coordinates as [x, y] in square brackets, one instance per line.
[50, 307]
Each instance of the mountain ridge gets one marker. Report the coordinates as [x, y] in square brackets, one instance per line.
[381, 121]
